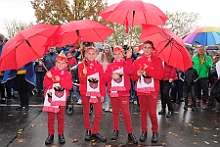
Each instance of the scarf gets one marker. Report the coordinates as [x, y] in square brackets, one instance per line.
[117, 84]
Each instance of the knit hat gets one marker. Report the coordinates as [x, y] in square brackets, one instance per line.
[61, 57]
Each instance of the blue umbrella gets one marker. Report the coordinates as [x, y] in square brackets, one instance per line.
[203, 36]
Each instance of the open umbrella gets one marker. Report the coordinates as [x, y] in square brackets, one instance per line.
[169, 47]
[26, 46]
[88, 30]
[203, 36]
[133, 13]
[213, 47]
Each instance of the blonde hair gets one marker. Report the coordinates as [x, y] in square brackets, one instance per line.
[108, 56]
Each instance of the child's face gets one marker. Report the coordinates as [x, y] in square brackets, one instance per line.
[69, 56]
[61, 65]
[118, 55]
[91, 54]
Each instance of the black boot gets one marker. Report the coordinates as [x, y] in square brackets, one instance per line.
[61, 139]
[132, 138]
[169, 114]
[88, 135]
[143, 137]
[49, 139]
[154, 138]
[98, 137]
[162, 112]
[115, 135]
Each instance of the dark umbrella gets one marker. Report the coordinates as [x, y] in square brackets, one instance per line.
[188, 47]
[213, 47]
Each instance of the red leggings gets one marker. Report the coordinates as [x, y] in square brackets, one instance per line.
[121, 103]
[148, 104]
[98, 114]
[60, 118]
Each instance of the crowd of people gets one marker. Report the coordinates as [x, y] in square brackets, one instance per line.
[110, 80]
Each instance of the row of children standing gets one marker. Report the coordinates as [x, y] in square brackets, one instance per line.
[146, 71]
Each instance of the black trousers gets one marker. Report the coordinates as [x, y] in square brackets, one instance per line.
[202, 84]
[186, 90]
[22, 86]
[165, 95]
[2, 91]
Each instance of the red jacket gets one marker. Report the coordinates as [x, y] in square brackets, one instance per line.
[155, 70]
[169, 72]
[65, 79]
[128, 71]
[71, 61]
[96, 67]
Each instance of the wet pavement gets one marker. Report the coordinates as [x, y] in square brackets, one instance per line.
[200, 128]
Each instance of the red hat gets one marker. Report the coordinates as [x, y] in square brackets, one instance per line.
[69, 52]
[61, 57]
[118, 49]
[91, 48]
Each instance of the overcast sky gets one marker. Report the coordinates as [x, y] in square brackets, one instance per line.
[208, 9]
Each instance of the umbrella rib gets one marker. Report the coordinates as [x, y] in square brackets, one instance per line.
[97, 33]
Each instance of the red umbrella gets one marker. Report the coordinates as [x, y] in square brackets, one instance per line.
[134, 12]
[169, 47]
[88, 30]
[141, 12]
[26, 46]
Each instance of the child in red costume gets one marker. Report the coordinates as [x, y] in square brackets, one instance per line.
[147, 72]
[117, 75]
[58, 74]
[71, 61]
[92, 90]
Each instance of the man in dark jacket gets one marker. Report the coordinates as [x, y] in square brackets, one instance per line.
[50, 57]
[189, 78]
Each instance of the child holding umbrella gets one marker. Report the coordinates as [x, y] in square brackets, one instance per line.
[117, 76]
[57, 75]
[92, 90]
[147, 72]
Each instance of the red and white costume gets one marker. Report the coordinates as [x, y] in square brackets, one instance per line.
[147, 88]
[119, 91]
[91, 88]
[66, 83]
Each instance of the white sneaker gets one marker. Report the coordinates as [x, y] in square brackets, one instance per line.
[107, 107]
[103, 106]
[79, 102]
[135, 102]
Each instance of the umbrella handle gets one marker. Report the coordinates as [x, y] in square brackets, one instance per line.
[132, 26]
[38, 57]
[161, 51]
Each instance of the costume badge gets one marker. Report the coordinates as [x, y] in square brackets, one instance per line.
[93, 82]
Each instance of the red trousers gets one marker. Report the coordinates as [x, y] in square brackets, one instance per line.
[148, 104]
[98, 114]
[121, 104]
[60, 119]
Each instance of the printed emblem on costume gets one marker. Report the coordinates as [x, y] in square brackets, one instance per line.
[49, 94]
[59, 91]
[147, 79]
[93, 82]
[119, 79]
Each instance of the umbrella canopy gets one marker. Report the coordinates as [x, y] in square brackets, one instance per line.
[126, 10]
[203, 36]
[26, 46]
[213, 47]
[88, 30]
[169, 47]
